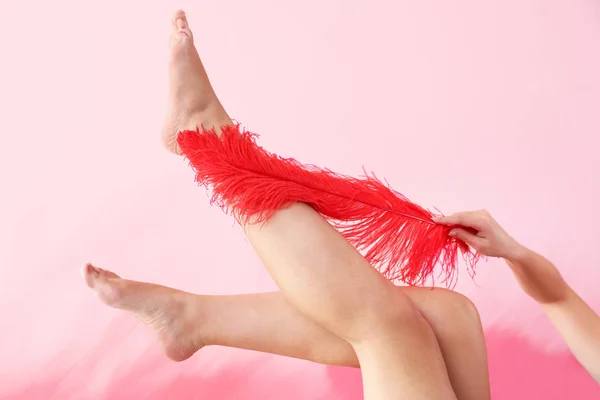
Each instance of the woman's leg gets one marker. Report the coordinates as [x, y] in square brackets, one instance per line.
[308, 258]
[266, 322]
[397, 350]
[328, 281]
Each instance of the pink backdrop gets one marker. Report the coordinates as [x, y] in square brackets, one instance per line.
[460, 105]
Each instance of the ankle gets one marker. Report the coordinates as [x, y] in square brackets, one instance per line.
[196, 314]
[213, 117]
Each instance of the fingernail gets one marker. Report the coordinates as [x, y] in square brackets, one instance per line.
[452, 234]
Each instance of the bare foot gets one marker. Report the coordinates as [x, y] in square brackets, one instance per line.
[192, 100]
[172, 314]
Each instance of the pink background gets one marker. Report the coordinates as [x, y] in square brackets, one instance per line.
[460, 105]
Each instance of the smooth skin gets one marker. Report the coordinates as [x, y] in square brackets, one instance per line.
[290, 324]
[573, 318]
[337, 307]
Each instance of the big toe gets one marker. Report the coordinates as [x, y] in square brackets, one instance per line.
[177, 15]
[90, 275]
[94, 275]
[107, 285]
[182, 34]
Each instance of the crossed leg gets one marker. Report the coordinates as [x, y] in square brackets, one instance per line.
[325, 278]
[268, 323]
[333, 298]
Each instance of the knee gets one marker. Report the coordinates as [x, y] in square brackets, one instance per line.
[455, 312]
[462, 308]
[399, 314]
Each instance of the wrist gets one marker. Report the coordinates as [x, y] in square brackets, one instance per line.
[517, 253]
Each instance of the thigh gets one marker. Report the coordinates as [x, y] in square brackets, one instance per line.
[328, 281]
[322, 275]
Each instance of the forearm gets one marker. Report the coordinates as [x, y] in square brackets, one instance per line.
[574, 320]
[579, 326]
[538, 277]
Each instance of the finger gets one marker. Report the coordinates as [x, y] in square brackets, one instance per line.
[468, 218]
[467, 237]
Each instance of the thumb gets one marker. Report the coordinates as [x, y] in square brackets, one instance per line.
[471, 239]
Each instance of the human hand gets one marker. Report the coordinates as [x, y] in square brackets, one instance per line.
[485, 234]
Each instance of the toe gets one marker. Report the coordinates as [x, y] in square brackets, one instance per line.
[109, 274]
[94, 275]
[107, 285]
[90, 274]
[179, 40]
[178, 15]
[181, 28]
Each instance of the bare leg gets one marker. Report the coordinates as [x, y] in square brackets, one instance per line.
[326, 279]
[397, 349]
[255, 321]
[266, 322]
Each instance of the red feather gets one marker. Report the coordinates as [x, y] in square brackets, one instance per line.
[396, 236]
